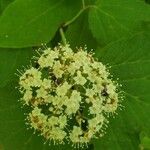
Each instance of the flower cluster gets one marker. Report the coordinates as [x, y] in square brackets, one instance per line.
[70, 95]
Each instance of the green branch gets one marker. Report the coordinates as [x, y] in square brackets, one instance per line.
[77, 15]
[83, 3]
[64, 41]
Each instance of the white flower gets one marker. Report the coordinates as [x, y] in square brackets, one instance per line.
[54, 54]
[81, 57]
[74, 103]
[62, 90]
[92, 76]
[79, 79]
[72, 107]
[58, 101]
[57, 69]
[87, 68]
[52, 121]
[70, 96]
[95, 109]
[90, 92]
[74, 135]
[62, 121]
[111, 105]
[37, 119]
[98, 87]
[93, 123]
[46, 83]
[72, 68]
[45, 61]
[42, 93]
[31, 78]
[75, 96]
[57, 134]
[111, 88]
[68, 53]
[27, 96]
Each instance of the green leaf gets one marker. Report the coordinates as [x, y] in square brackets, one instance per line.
[10, 61]
[145, 141]
[130, 62]
[13, 130]
[4, 4]
[29, 23]
[32, 22]
[89, 2]
[111, 20]
[128, 59]
[79, 34]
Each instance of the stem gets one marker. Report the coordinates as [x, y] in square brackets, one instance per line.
[64, 41]
[77, 15]
[83, 3]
